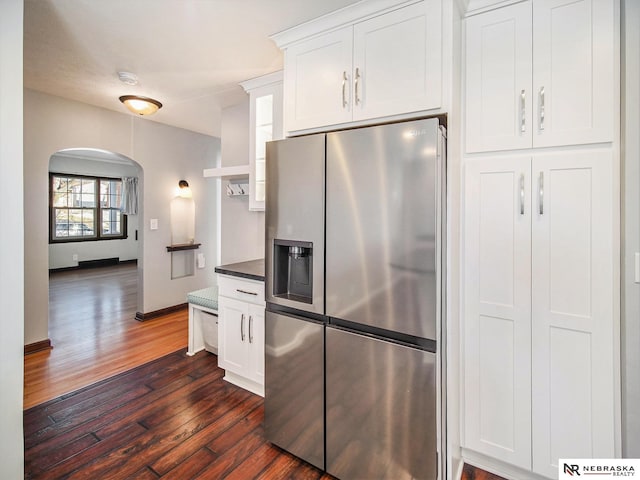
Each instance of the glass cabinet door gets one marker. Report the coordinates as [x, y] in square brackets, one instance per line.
[265, 94]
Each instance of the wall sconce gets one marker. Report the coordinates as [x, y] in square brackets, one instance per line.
[184, 190]
[183, 215]
[141, 105]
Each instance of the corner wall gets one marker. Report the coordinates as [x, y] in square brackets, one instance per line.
[630, 236]
[166, 155]
[241, 231]
[11, 241]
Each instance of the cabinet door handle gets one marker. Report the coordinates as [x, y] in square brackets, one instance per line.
[523, 127]
[522, 194]
[246, 292]
[250, 329]
[357, 82]
[242, 327]
[344, 89]
[541, 192]
[541, 95]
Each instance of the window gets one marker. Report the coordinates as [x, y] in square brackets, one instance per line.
[85, 209]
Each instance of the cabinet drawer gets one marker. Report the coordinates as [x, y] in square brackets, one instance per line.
[242, 289]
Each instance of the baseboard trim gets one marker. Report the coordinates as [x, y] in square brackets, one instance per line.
[108, 262]
[38, 346]
[143, 317]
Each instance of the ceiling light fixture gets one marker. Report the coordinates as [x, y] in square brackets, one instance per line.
[141, 105]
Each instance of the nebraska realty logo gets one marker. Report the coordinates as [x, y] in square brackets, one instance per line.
[608, 467]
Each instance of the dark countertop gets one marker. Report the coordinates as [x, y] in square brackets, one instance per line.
[252, 269]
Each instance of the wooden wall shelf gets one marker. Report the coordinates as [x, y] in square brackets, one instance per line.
[183, 246]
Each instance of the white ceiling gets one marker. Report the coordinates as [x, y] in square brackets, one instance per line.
[189, 54]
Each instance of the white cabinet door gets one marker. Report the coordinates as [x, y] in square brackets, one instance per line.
[318, 81]
[398, 62]
[499, 102]
[497, 318]
[256, 343]
[572, 295]
[573, 71]
[265, 125]
[233, 342]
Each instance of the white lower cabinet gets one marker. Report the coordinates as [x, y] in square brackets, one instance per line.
[241, 336]
[539, 345]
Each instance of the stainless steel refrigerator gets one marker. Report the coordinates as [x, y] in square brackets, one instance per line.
[354, 287]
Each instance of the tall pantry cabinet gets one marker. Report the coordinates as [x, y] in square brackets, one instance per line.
[540, 223]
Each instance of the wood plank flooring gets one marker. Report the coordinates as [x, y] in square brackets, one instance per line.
[172, 418]
[94, 333]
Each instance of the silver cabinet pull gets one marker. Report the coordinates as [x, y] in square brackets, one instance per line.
[344, 88]
[523, 127]
[541, 95]
[246, 292]
[250, 329]
[541, 192]
[357, 82]
[522, 194]
[242, 327]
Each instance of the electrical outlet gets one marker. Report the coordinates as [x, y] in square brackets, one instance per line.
[75, 257]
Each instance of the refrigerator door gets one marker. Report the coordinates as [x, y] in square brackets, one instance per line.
[381, 409]
[383, 226]
[294, 223]
[294, 379]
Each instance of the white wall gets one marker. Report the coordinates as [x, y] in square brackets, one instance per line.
[242, 231]
[11, 241]
[165, 154]
[61, 254]
[631, 228]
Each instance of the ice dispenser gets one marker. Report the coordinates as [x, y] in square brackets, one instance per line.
[293, 270]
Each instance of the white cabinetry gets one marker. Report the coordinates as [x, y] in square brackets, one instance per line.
[386, 63]
[241, 332]
[497, 333]
[539, 308]
[265, 124]
[543, 72]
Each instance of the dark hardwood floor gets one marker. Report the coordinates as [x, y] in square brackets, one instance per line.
[172, 418]
[94, 333]
[109, 414]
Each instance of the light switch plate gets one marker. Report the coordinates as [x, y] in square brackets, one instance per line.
[153, 224]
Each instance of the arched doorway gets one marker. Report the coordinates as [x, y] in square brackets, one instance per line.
[93, 257]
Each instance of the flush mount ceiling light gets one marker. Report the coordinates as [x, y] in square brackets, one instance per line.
[141, 105]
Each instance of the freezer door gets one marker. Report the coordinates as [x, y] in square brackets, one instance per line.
[381, 409]
[294, 386]
[295, 215]
[383, 226]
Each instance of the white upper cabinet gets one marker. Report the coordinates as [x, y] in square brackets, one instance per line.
[540, 73]
[265, 124]
[573, 73]
[380, 64]
[318, 81]
[498, 86]
[397, 62]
